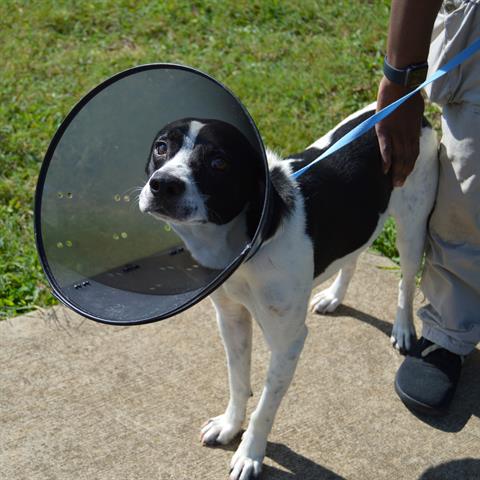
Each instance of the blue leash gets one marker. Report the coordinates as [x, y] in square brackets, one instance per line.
[377, 117]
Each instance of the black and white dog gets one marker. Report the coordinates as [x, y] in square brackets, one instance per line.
[204, 180]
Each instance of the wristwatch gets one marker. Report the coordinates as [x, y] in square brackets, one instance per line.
[411, 76]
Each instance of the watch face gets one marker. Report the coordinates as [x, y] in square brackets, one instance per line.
[148, 151]
[416, 76]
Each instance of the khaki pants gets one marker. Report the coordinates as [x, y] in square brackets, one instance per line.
[451, 280]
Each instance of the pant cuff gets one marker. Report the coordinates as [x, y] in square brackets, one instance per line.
[437, 335]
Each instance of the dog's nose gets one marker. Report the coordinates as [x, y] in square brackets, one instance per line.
[165, 184]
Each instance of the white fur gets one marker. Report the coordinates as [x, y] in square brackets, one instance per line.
[207, 241]
[411, 206]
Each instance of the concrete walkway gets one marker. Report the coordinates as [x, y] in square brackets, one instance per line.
[80, 400]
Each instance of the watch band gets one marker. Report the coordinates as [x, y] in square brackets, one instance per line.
[410, 77]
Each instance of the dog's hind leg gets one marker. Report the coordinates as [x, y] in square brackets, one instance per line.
[329, 299]
[235, 326]
[410, 245]
[411, 206]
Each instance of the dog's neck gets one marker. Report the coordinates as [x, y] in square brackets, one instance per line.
[214, 246]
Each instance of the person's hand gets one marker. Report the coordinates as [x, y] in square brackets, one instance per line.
[399, 133]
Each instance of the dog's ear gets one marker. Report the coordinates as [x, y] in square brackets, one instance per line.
[147, 166]
[253, 214]
[257, 195]
[253, 160]
[281, 200]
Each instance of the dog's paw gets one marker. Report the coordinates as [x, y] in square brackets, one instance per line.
[247, 461]
[325, 301]
[219, 430]
[403, 336]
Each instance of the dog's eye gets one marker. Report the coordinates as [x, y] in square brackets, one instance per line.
[160, 148]
[218, 164]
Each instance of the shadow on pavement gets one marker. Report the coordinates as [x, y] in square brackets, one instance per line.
[298, 466]
[464, 469]
[347, 311]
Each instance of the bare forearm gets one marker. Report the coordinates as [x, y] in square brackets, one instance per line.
[411, 24]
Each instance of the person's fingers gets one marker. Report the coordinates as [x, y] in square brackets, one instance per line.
[399, 175]
[404, 158]
[398, 164]
[385, 145]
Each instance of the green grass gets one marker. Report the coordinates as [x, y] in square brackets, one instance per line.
[299, 67]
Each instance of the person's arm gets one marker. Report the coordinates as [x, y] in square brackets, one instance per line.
[411, 24]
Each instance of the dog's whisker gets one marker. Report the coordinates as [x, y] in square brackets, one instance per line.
[132, 190]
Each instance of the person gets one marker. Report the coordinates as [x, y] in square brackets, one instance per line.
[435, 31]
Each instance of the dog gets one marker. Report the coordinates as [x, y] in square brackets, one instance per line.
[205, 180]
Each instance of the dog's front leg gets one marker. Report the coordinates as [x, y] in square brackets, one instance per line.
[235, 326]
[285, 351]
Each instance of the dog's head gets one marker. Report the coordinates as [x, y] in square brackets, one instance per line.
[200, 171]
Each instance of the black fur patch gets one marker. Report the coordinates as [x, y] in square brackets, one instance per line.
[344, 195]
[281, 204]
[230, 190]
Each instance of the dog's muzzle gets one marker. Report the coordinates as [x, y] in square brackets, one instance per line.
[164, 194]
[166, 186]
